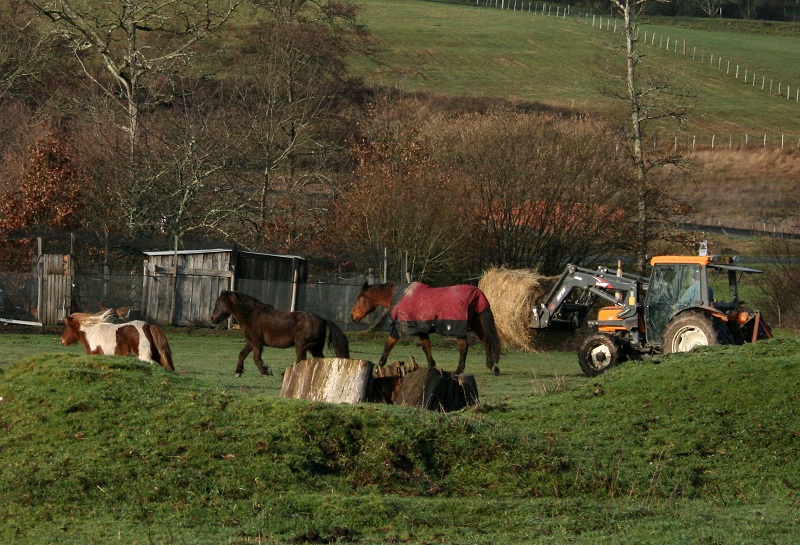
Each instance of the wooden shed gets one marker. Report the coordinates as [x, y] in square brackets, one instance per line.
[181, 287]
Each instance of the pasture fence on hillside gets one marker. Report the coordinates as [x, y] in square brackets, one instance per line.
[680, 143]
[785, 90]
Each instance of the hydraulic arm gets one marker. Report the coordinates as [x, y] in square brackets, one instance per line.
[578, 289]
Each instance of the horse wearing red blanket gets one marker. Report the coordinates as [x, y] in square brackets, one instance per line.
[419, 309]
[101, 336]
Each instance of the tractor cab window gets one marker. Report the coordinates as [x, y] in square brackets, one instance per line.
[666, 285]
[723, 283]
[690, 287]
[662, 295]
[673, 287]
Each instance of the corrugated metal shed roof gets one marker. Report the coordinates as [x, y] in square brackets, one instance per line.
[218, 250]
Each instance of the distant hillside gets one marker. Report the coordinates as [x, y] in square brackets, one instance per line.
[465, 51]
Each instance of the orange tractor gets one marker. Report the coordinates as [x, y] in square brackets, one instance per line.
[688, 301]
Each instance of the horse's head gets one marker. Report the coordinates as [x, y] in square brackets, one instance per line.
[71, 333]
[221, 308]
[370, 298]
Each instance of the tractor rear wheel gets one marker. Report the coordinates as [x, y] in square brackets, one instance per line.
[598, 353]
[690, 330]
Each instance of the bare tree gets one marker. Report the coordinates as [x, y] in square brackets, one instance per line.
[402, 197]
[23, 48]
[711, 8]
[648, 99]
[185, 173]
[133, 40]
[547, 190]
[29, 56]
[296, 58]
[749, 8]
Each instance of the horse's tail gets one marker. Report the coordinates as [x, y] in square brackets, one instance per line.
[162, 353]
[341, 346]
[491, 338]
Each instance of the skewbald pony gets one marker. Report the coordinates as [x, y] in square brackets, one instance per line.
[99, 335]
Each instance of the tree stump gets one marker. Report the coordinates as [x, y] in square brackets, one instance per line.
[437, 390]
[387, 380]
[419, 388]
[468, 388]
[342, 380]
[335, 380]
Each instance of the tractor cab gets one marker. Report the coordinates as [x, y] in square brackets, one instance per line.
[678, 284]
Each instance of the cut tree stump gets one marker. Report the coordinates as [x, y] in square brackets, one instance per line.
[342, 380]
[387, 380]
[335, 380]
[438, 390]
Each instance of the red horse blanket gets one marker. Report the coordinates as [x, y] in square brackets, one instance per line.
[423, 309]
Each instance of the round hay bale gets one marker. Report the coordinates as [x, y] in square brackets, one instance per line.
[513, 293]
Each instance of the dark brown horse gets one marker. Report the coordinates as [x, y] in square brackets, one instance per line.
[101, 336]
[418, 309]
[264, 325]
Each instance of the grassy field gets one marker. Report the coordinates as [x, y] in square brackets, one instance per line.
[690, 449]
[464, 52]
[469, 51]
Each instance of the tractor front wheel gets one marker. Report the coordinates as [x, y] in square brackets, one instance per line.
[598, 353]
[689, 331]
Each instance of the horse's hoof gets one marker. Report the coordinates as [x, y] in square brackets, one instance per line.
[495, 370]
[267, 372]
[239, 375]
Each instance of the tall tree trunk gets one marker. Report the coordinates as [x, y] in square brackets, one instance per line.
[631, 60]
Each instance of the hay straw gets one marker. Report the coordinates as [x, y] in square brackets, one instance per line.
[513, 295]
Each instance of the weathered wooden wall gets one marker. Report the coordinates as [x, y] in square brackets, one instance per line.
[184, 296]
[57, 274]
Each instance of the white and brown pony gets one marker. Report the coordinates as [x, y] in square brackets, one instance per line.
[99, 335]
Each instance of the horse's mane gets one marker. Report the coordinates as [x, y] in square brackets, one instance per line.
[248, 300]
[87, 319]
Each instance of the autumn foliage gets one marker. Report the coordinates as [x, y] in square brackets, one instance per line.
[471, 191]
[46, 198]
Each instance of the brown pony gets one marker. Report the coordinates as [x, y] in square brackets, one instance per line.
[419, 309]
[100, 336]
[264, 325]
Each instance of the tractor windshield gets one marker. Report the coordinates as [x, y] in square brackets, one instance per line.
[673, 287]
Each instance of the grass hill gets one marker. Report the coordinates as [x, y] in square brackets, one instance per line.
[697, 448]
[476, 51]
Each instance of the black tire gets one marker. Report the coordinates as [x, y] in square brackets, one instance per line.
[598, 353]
[691, 330]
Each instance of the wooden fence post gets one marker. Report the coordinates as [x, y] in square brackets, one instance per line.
[174, 297]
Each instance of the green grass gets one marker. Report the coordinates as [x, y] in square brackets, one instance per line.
[688, 449]
[468, 51]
